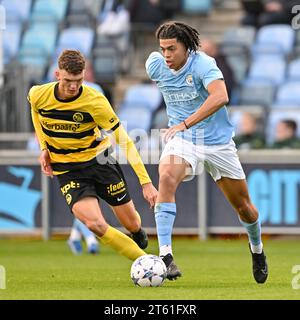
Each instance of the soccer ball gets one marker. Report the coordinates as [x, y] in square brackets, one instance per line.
[148, 271]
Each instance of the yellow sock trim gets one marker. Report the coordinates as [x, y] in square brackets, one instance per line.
[121, 243]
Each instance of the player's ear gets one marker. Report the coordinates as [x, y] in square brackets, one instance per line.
[57, 74]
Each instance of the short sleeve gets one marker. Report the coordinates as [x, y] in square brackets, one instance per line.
[153, 65]
[208, 70]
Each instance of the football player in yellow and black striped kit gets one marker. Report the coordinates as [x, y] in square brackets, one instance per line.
[69, 119]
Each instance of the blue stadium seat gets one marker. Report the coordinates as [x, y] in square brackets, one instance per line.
[143, 95]
[298, 37]
[288, 95]
[83, 13]
[297, 46]
[106, 64]
[90, 7]
[11, 40]
[241, 36]
[238, 59]
[17, 10]
[271, 70]
[36, 47]
[274, 39]
[196, 6]
[79, 20]
[135, 117]
[50, 73]
[35, 64]
[293, 73]
[257, 93]
[119, 43]
[279, 114]
[94, 86]
[76, 38]
[40, 37]
[37, 60]
[49, 10]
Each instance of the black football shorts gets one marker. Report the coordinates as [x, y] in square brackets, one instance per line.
[105, 181]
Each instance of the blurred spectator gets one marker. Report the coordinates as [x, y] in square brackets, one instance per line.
[169, 7]
[147, 12]
[111, 5]
[263, 12]
[212, 50]
[90, 80]
[286, 135]
[89, 77]
[249, 137]
[79, 231]
[114, 19]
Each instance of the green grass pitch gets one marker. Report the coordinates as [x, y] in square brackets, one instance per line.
[213, 269]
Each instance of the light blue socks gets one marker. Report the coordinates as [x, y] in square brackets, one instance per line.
[254, 234]
[165, 214]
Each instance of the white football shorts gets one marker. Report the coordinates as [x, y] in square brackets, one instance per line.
[218, 160]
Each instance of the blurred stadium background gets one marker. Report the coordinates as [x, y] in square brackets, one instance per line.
[261, 65]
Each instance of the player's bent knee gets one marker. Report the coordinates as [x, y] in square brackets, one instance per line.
[97, 226]
[247, 212]
[168, 180]
[78, 209]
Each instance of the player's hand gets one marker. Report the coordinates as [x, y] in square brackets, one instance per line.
[45, 163]
[150, 193]
[170, 133]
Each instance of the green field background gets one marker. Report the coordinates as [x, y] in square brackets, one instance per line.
[213, 269]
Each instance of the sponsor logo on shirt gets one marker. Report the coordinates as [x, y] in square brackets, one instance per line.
[61, 126]
[180, 96]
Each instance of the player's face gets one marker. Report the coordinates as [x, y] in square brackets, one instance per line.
[69, 84]
[174, 52]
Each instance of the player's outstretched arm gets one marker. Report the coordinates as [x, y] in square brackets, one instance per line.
[150, 193]
[133, 157]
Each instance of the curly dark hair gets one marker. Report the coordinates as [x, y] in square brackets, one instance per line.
[182, 32]
[72, 61]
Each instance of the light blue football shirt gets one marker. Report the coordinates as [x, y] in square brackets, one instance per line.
[185, 90]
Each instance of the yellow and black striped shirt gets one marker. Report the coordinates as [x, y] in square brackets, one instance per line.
[71, 129]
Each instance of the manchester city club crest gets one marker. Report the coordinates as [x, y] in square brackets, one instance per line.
[189, 79]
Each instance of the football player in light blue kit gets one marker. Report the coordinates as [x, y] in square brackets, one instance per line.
[199, 134]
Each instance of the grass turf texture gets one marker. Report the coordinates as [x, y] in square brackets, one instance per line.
[215, 269]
